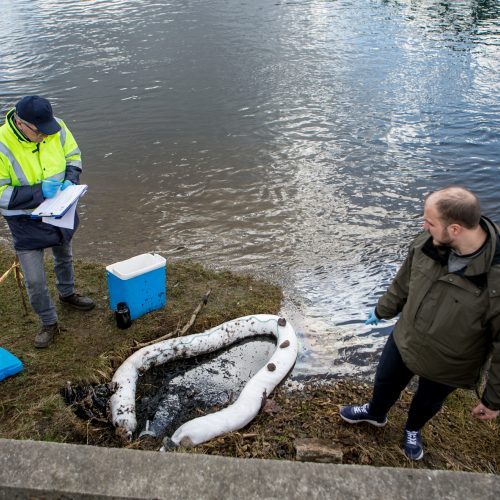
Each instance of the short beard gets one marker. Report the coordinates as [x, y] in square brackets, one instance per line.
[442, 243]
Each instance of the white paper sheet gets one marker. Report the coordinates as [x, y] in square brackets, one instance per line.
[58, 205]
[67, 220]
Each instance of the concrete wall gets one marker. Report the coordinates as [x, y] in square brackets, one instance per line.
[40, 470]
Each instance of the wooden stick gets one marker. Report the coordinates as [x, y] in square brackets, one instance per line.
[6, 273]
[18, 275]
[185, 328]
[19, 279]
[190, 323]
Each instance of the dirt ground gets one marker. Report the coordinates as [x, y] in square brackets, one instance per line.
[76, 368]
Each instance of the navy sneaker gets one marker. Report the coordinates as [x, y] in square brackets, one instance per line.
[356, 414]
[414, 449]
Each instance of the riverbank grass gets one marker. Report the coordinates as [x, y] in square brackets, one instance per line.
[90, 347]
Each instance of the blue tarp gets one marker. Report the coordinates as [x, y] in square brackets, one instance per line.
[9, 364]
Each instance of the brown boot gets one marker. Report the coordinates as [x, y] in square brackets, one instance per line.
[45, 336]
[78, 301]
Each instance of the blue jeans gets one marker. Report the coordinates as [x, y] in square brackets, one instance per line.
[36, 284]
[392, 377]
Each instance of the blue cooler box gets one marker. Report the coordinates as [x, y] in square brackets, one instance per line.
[9, 364]
[139, 282]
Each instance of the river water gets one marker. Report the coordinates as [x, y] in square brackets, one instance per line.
[294, 140]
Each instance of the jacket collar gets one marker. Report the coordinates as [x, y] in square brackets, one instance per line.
[9, 122]
[439, 254]
[479, 265]
[483, 262]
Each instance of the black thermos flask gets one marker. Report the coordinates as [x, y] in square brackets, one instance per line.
[122, 315]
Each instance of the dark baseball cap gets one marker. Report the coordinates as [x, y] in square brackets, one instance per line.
[38, 111]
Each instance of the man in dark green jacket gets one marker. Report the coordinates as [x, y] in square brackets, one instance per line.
[447, 294]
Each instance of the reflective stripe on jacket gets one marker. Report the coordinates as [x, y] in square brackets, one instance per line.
[23, 166]
[449, 322]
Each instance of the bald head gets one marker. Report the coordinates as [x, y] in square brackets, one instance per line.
[456, 205]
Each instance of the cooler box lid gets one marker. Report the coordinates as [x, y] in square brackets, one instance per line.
[9, 364]
[140, 264]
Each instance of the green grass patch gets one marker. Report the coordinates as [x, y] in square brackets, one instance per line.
[90, 346]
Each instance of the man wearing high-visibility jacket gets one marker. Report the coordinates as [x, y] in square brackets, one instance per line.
[39, 156]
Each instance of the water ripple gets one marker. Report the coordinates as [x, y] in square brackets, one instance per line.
[294, 140]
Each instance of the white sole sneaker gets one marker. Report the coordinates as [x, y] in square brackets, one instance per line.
[357, 421]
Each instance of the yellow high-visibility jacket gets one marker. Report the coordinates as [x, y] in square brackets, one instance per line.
[23, 167]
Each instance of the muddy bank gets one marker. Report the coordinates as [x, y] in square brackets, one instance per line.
[90, 347]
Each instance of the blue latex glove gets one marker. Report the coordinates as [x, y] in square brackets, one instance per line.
[372, 318]
[65, 184]
[50, 188]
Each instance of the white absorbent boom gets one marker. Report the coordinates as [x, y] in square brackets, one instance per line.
[235, 416]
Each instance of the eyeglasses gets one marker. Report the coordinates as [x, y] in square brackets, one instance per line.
[32, 128]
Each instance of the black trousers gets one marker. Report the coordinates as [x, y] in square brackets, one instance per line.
[392, 377]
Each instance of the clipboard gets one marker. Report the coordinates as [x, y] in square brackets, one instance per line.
[60, 203]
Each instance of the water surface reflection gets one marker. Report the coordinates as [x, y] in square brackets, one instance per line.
[294, 140]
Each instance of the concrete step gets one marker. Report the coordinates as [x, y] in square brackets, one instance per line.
[41, 470]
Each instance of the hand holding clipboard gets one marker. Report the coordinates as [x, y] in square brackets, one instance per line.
[61, 202]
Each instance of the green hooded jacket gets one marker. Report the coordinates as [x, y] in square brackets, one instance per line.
[449, 323]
